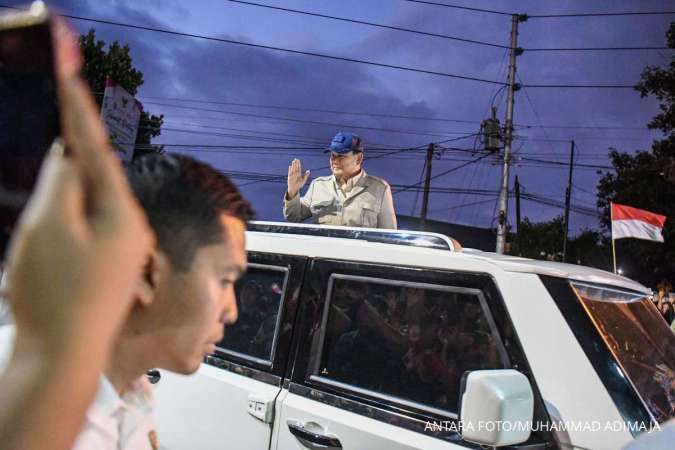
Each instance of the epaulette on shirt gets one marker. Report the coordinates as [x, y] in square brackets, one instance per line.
[379, 180]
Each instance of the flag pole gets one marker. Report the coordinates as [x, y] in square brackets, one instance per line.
[611, 221]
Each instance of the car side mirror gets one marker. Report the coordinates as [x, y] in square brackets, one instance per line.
[495, 407]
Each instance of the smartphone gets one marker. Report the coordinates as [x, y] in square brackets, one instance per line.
[29, 113]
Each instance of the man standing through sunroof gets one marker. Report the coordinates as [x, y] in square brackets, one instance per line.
[348, 197]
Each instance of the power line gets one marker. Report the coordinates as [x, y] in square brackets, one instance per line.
[609, 14]
[279, 178]
[341, 58]
[371, 114]
[244, 130]
[536, 114]
[562, 163]
[592, 49]
[239, 136]
[445, 172]
[367, 158]
[443, 36]
[328, 111]
[278, 49]
[466, 8]
[580, 86]
[588, 138]
[463, 205]
[547, 16]
[361, 22]
[586, 127]
[313, 122]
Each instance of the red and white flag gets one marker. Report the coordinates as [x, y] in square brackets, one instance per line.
[636, 223]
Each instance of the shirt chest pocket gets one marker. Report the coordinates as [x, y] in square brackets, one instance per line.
[365, 211]
[368, 217]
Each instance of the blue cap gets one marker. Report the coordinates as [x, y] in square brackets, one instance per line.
[345, 142]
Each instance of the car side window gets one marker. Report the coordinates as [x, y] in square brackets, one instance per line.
[259, 299]
[406, 340]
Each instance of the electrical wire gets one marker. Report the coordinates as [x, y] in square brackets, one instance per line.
[278, 49]
[463, 205]
[405, 188]
[312, 122]
[371, 24]
[466, 8]
[580, 86]
[444, 36]
[392, 116]
[608, 14]
[281, 177]
[341, 58]
[593, 49]
[562, 163]
[536, 114]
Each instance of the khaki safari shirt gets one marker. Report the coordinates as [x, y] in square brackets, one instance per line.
[365, 201]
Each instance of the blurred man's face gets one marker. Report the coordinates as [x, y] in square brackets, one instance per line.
[195, 306]
[347, 165]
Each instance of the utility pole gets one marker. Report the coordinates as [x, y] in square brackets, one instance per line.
[568, 196]
[427, 183]
[518, 230]
[508, 133]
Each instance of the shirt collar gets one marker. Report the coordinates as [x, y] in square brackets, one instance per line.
[353, 181]
[106, 402]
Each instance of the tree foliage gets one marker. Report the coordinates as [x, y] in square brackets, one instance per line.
[646, 180]
[116, 62]
[544, 240]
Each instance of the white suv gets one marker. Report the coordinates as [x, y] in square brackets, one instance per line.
[371, 339]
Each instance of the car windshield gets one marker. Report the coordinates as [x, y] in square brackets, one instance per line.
[640, 340]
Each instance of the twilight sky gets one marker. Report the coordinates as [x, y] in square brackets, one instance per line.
[294, 87]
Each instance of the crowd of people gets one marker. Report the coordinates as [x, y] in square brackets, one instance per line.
[409, 342]
[258, 302]
[664, 299]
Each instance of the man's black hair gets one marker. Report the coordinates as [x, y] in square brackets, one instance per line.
[184, 199]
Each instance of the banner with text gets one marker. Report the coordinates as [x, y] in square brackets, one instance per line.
[120, 113]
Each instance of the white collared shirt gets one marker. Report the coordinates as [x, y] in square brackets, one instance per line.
[120, 423]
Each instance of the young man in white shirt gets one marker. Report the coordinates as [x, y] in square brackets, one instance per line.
[183, 301]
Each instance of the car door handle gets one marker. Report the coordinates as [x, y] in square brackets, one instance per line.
[299, 431]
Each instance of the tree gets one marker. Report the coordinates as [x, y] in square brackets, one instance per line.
[646, 180]
[539, 240]
[116, 62]
[544, 240]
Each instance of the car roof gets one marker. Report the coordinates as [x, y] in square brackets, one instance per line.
[345, 242]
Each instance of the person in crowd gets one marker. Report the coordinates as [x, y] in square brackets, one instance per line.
[73, 261]
[664, 302]
[240, 337]
[349, 196]
[184, 299]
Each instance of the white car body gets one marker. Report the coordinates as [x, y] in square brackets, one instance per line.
[208, 410]
[239, 401]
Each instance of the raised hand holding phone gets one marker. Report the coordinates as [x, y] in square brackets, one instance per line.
[77, 250]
